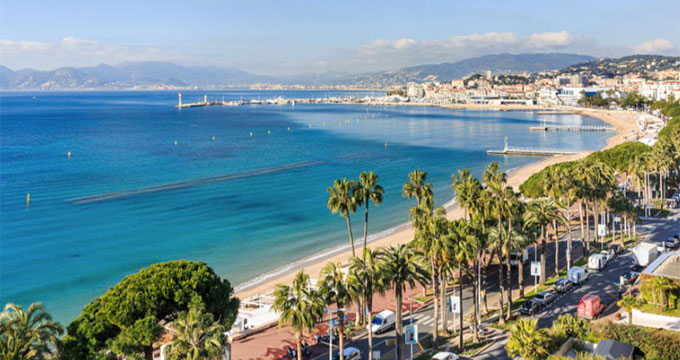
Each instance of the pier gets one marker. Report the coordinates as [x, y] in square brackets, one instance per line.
[512, 150]
[554, 112]
[570, 128]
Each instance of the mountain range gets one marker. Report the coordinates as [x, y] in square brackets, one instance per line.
[166, 75]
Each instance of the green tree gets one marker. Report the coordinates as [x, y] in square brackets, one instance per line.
[299, 306]
[401, 268]
[125, 319]
[540, 213]
[467, 190]
[342, 199]
[367, 278]
[629, 302]
[27, 334]
[664, 285]
[495, 181]
[197, 336]
[463, 243]
[368, 190]
[418, 187]
[527, 341]
[335, 289]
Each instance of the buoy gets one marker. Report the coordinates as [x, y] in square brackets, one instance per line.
[213, 138]
[269, 132]
[175, 142]
[251, 134]
[339, 124]
[288, 129]
[28, 199]
[310, 126]
[69, 154]
[324, 123]
[385, 143]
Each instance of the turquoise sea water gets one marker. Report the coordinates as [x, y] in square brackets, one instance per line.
[128, 197]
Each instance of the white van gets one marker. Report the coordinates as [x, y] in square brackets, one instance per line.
[597, 262]
[516, 256]
[577, 275]
[382, 322]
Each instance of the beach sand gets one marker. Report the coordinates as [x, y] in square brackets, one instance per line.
[624, 122]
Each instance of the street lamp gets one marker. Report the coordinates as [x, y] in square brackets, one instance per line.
[330, 329]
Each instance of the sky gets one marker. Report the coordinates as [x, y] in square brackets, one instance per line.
[279, 37]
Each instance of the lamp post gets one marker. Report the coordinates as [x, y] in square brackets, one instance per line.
[330, 329]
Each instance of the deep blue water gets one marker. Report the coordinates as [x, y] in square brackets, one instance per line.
[245, 205]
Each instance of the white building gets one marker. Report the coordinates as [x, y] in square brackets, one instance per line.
[659, 90]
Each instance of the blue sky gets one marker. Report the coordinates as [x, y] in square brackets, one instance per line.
[291, 37]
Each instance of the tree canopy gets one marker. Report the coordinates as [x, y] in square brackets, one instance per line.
[125, 319]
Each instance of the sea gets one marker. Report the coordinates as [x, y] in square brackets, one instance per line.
[241, 188]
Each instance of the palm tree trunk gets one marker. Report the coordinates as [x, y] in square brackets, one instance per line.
[341, 332]
[542, 246]
[435, 308]
[501, 282]
[460, 314]
[442, 304]
[484, 284]
[366, 224]
[298, 345]
[570, 241]
[475, 302]
[398, 325]
[351, 238]
[596, 219]
[557, 248]
[587, 230]
[630, 317]
[508, 266]
[520, 269]
[580, 220]
[369, 305]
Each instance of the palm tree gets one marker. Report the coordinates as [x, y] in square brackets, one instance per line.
[665, 285]
[367, 278]
[540, 213]
[300, 307]
[368, 190]
[527, 340]
[629, 302]
[197, 336]
[342, 199]
[430, 239]
[495, 181]
[510, 208]
[401, 268]
[520, 240]
[467, 190]
[463, 243]
[335, 289]
[418, 187]
[27, 334]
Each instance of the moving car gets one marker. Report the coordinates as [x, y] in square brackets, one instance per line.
[382, 322]
[544, 298]
[529, 307]
[350, 353]
[445, 355]
[563, 285]
[589, 307]
[577, 275]
[629, 278]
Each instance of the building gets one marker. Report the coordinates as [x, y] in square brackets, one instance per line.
[415, 91]
[613, 350]
[659, 90]
[666, 265]
[458, 84]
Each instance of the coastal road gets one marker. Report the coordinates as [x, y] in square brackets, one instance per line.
[423, 317]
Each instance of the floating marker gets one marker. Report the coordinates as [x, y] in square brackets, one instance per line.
[310, 126]
[175, 142]
[288, 129]
[213, 138]
[68, 154]
[324, 123]
[251, 134]
[28, 199]
[269, 132]
[385, 143]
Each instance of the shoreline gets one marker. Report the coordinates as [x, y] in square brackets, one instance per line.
[624, 122]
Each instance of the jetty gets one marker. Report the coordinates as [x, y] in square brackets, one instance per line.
[570, 128]
[554, 113]
[527, 151]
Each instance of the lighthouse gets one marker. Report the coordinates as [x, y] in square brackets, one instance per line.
[180, 100]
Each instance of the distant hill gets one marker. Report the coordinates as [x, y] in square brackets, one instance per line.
[497, 63]
[645, 65]
[131, 75]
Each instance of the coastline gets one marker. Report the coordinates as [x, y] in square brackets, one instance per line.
[623, 121]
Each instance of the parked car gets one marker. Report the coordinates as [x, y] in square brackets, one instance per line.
[350, 353]
[529, 307]
[637, 268]
[608, 255]
[577, 275]
[629, 278]
[563, 285]
[665, 246]
[597, 262]
[616, 249]
[589, 307]
[382, 322]
[445, 355]
[544, 298]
